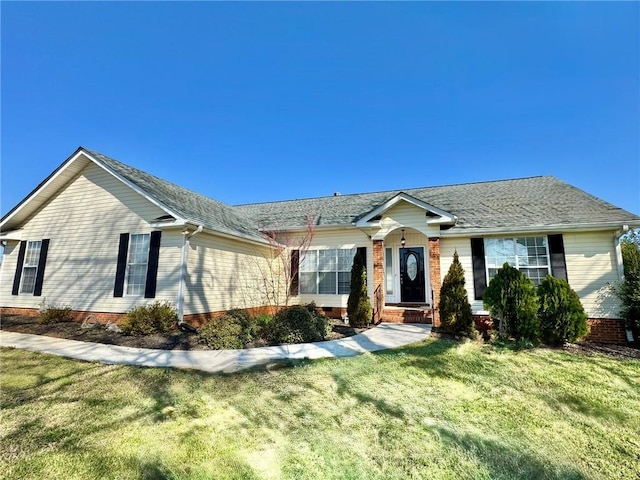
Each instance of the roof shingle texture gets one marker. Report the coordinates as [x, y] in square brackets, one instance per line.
[526, 202]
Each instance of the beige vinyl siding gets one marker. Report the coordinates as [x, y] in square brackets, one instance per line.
[463, 245]
[84, 222]
[591, 266]
[223, 274]
[408, 216]
[340, 238]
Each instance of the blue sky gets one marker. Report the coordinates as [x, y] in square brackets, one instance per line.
[249, 102]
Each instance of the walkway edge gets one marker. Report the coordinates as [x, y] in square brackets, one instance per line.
[382, 337]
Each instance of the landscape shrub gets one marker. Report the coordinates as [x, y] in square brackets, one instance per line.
[54, 314]
[513, 304]
[455, 309]
[562, 316]
[628, 290]
[222, 333]
[157, 317]
[359, 308]
[298, 324]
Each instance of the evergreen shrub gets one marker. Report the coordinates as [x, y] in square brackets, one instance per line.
[54, 314]
[359, 307]
[513, 304]
[157, 317]
[562, 316]
[455, 309]
[298, 324]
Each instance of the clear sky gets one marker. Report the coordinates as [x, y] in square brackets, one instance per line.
[249, 102]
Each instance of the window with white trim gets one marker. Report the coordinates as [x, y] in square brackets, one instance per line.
[137, 261]
[30, 267]
[530, 255]
[327, 272]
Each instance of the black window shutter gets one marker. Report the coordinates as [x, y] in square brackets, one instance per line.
[121, 269]
[152, 266]
[295, 273]
[556, 255]
[363, 252]
[42, 261]
[18, 275]
[479, 267]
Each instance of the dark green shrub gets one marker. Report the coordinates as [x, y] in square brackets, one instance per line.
[54, 314]
[298, 324]
[157, 317]
[512, 301]
[628, 290]
[455, 309]
[359, 307]
[562, 316]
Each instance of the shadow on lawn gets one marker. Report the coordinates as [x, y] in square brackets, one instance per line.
[503, 460]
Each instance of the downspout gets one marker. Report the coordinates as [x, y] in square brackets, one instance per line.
[186, 236]
[616, 244]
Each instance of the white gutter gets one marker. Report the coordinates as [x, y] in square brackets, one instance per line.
[582, 227]
[186, 236]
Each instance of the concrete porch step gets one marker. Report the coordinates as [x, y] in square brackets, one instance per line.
[407, 315]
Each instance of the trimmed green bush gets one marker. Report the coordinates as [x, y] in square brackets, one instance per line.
[222, 333]
[157, 317]
[628, 290]
[359, 307]
[298, 324]
[562, 316]
[54, 314]
[455, 309]
[512, 301]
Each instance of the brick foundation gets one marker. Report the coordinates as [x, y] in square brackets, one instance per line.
[76, 315]
[601, 330]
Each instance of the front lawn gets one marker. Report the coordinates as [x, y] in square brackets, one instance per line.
[438, 409]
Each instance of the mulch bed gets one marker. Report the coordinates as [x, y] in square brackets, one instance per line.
[176, 340]
[179, 340]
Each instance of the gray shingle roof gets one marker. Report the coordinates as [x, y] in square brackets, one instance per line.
[526, 202]
[192, 206]
[535, 201]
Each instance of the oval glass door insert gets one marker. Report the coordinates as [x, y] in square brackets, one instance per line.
[412, 266]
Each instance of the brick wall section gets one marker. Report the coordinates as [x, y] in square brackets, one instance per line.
[606, 330]
[601, 330]
[76, 315]
[434, 277]
[378, 275]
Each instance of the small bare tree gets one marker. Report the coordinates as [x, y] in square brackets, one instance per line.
[287, 250]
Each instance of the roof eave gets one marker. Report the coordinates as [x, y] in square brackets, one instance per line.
[574, 227]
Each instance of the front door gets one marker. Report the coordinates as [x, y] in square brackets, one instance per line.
[412, 288]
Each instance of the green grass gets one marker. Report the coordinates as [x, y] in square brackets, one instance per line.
[434, 410]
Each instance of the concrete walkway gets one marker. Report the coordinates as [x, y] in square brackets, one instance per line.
[382, 337]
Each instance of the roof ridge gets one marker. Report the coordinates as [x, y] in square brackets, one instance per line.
[398, 190]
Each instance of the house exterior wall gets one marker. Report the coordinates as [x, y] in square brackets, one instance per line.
[340, 238]
[83, 222]
[591, 265]
[224, 274]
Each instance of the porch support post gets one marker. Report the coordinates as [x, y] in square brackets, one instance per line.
[378, 279]
[434, 277]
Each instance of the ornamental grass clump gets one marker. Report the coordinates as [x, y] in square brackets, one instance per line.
[562, 316]
[157, 317]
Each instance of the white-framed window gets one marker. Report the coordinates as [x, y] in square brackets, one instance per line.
[137, 262]
[30, 267]
[327, 272]
[530, 255]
